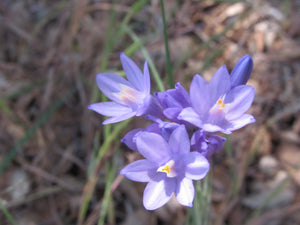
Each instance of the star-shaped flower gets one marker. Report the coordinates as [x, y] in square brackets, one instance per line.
[129, 97]
[169, 167]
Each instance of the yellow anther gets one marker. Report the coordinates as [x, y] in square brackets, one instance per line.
[220, 103]
[166, 169]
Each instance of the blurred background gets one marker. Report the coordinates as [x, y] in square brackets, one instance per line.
[60, 165]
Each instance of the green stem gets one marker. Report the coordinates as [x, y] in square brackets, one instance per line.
[169, 68]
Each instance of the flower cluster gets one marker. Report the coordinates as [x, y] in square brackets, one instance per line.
[183, 135]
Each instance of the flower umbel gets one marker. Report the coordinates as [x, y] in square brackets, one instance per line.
[183, 136]
[168, 167]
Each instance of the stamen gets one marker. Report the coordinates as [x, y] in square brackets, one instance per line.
[168, 168]
[127, 94]
[220, 103]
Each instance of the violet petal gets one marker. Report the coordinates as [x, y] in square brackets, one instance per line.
[133, 72]
[153, 147]
[185, 192]
[141, 171]
[197, 166]
[158, 193]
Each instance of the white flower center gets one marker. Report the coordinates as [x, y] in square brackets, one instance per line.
[168, 168]
[129, 96]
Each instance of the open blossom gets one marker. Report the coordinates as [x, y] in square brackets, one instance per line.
[129, 97]
[169, 167]
[216, 106]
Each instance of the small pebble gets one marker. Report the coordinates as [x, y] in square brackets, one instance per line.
[268, 165]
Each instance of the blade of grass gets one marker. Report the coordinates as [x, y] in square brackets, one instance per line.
[133, 48]
[118, 129]
[200, 212]
[95, 151]
[233, 175]
[4, 107]
[115, 37]
[106, 51]
[205, 199]
[169, 67]
[153, 69]
[111, 41]
[111, 173]
[109, 138]
[31, 131]
[7, 214]
[105, 56]
[92, 180]
[210, 59]
[111, 211]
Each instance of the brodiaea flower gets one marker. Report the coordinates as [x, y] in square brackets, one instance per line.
[216, 106]
[129, 97]
[168, 167]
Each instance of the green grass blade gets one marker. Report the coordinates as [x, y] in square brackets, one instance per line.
[133, 48]
[230, 156]
[153, 69]
[113, 37]
[169, 67]
[7, 214]
[114, 135]
[210, 59]
[92, 180]
[108, 46]
[4, 107]
[200, 212]
[111, 172]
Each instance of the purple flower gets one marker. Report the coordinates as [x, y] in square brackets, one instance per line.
[206, 144]
[173, 101]
[160, 127]
[130, 138]
[129, 97]
[241, 71]
[216, 106]
[168, 167]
